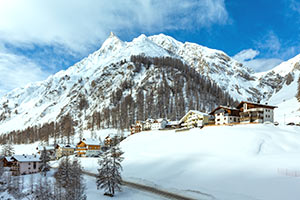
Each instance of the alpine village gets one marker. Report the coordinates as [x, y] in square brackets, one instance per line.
[152, 110]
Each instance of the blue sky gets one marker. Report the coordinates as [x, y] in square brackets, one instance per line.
[39, 38]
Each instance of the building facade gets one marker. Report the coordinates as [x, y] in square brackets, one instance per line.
[226, 115]
[255, 112]
[25, 164]
[194, 118]
[88, 147]
[64, 150]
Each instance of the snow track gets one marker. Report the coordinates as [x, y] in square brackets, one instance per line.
[150, 189]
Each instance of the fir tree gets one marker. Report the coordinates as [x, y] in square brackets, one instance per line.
[109, 174]
[69, 180]
[8, 149]
[45, 158]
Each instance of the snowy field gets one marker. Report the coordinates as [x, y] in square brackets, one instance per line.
[91, 189]
[243, 162]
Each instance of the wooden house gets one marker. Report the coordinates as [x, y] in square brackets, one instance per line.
[255, 112]
[25, 164]
[137, 127]
[194, 118]
[6, 161]
[108, 141]
[88, 147]
[64, 150]
[226, 115]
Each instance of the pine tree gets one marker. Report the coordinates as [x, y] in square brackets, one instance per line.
[43, 190]
[109, 174]
[45, 158]
[69, 180]
[77, 188]
[8, 149]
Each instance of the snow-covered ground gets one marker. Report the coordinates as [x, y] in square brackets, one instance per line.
[242, 162]
[91, 189]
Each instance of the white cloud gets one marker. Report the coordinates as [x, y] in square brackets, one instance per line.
[78, 25]
[248, 58]
[270, 43]
[263, 64]
[247, 54]
[17, 71]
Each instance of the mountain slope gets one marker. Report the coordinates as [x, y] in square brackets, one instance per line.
[108, 81]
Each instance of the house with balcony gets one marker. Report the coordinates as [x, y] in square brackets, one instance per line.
[255, 112]
[88, 147]
[226, 115]
[194, 118]
[25, 164]
[64, 150]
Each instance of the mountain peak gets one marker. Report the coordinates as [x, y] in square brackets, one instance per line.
[111, 43]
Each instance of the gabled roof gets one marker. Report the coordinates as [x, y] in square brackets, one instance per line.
[224, 107]
[257, 104]
[91, 141]
[8, 158]
[193, 111]
[26, 158]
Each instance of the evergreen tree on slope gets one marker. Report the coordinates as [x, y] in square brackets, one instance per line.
[109, 174]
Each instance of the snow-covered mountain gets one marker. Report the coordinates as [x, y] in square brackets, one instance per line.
[100, 76]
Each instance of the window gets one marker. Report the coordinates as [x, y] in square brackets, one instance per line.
[34, 165]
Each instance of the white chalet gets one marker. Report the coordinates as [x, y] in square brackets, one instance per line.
[194, 118]
[25, 164]
[226, 115]
[159, 124]
[255, 112]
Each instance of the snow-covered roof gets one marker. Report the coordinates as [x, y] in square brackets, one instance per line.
[159, 120]
[91, 141]
[257, 104]
[41, 148]
[193, 111]
[8, 158]
[66, 146]
[170, 123]
[224, 107]
[27, 158]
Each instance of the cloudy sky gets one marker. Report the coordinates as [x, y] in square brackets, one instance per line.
[39, 38]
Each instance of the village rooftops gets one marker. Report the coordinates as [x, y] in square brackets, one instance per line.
[256, 104]
[26, 158]
[48, 148]
[91, 141]
[224, 107]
